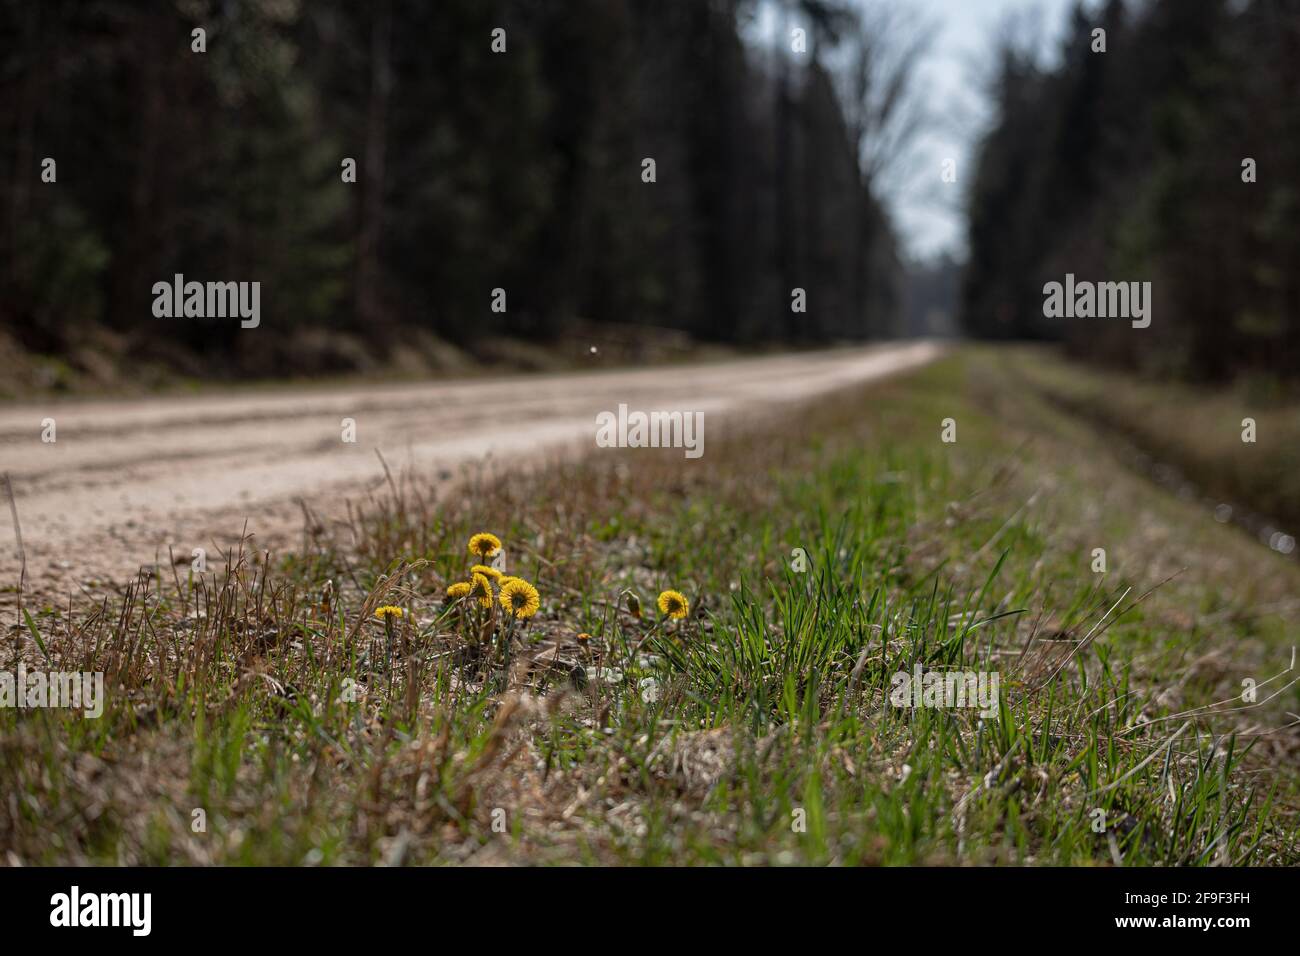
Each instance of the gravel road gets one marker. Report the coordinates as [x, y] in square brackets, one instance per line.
[127, 479]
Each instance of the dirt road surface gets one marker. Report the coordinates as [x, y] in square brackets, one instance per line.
[125, 480]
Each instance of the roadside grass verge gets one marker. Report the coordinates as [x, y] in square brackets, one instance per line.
[759, 728]
[1188, 435]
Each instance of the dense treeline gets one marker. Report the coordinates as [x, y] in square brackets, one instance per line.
[1127, 165]
[476, 170]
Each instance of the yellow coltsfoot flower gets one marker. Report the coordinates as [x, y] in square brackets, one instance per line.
[388, 611]
[673, 604]
[458, 590]
[484, 545]
[487, 570]
[519, 597]
[480, 588]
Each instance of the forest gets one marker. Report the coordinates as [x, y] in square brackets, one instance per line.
[408, 178]
[1171, 156]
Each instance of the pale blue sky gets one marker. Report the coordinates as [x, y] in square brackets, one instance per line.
[951, 84]
[928, 212]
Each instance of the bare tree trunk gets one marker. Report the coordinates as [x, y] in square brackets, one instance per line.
[24, 151]
[783, 174]
[371, 174]
[133, 234]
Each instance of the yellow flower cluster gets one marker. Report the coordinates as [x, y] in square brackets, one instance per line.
[486, 584]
